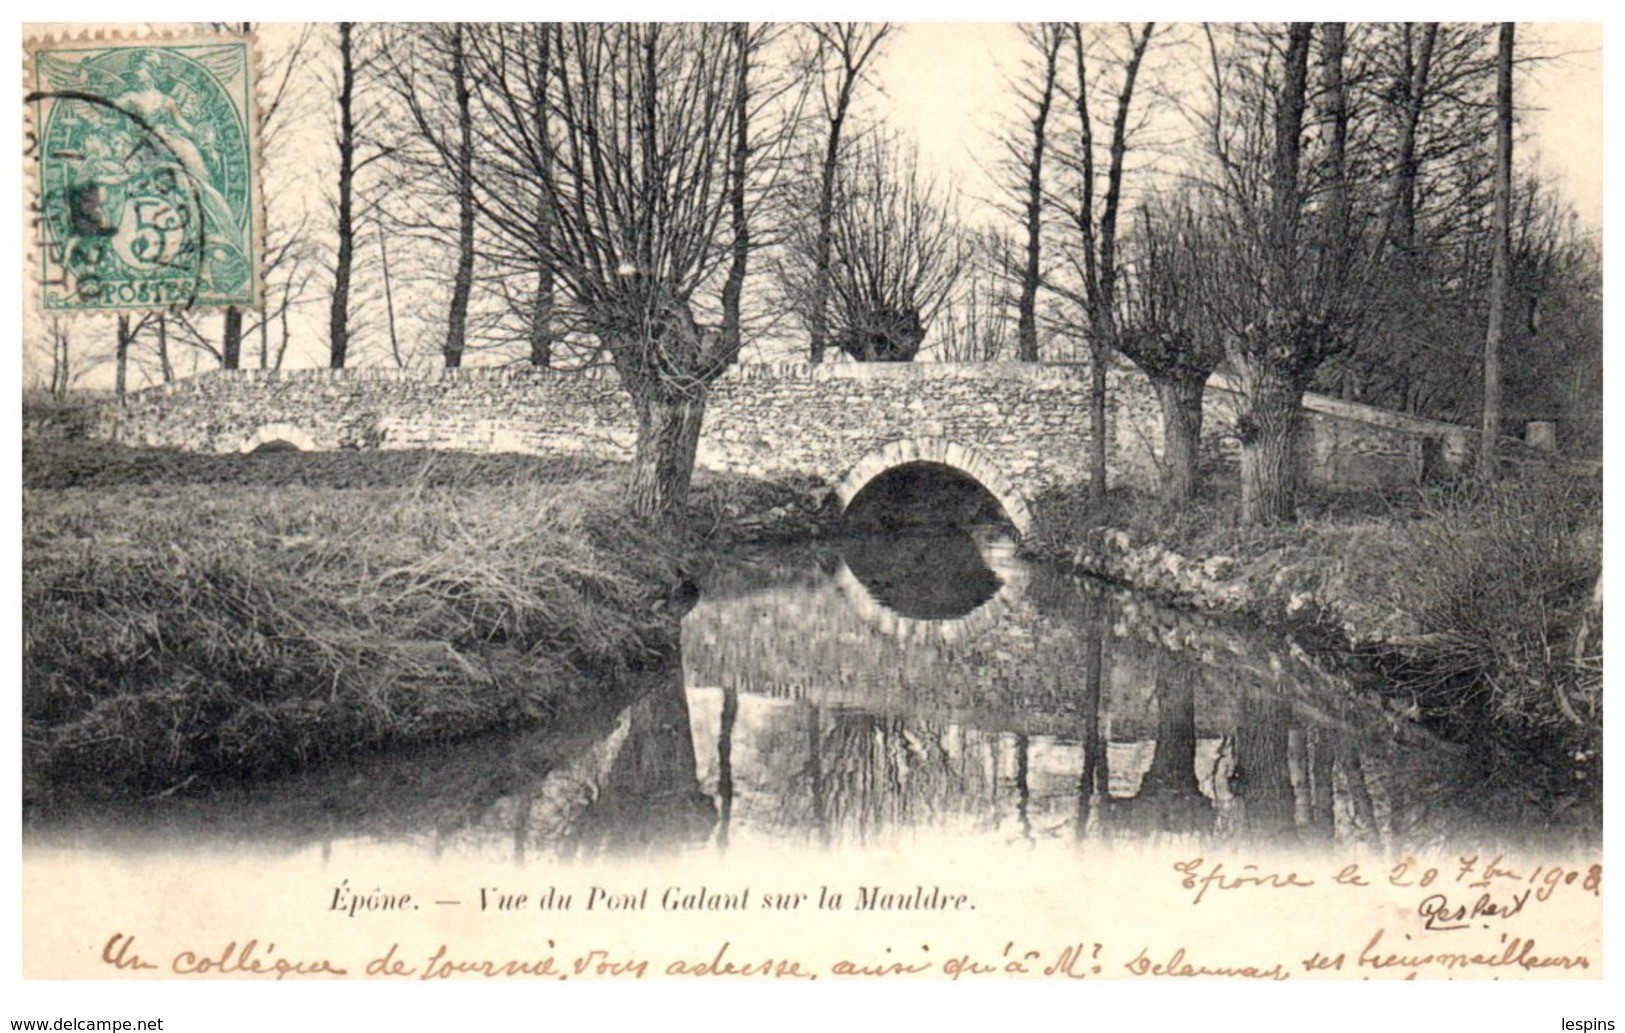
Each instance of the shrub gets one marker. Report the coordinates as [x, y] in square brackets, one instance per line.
[1501, 579]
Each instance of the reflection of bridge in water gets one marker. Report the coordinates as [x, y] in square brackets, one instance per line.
[1061, 712]
[974, 580]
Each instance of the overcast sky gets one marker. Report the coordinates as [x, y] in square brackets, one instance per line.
[948, 84]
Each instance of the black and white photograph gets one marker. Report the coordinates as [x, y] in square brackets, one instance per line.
[874, 502]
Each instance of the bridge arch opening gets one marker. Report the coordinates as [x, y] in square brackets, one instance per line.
[278, 437]
[930, 481]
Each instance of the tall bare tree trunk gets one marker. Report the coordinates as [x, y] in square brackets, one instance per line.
[463, 283]
[1099, 241]
[541, 317]
[265, 337]
[231, 345]
[1099, 358]
[1500, 259]
[338, 324]
[733, 287]
[541, 320]
[1407, 167]
[1268, 432]
[61, 360]
[389, 299]
[1271, 385]
[121, 356]
[818, 313]
[1027, 305]
[166, 370]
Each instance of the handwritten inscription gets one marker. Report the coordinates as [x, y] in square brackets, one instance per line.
[1384, 953]
[1468, 915]
[1201, 876]
[1439, 913]
[237, 959]
[1180, 965]
[1438, 909]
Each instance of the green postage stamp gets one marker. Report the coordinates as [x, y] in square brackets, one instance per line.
[147, 177]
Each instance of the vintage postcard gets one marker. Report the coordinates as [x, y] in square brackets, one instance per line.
[843, 503]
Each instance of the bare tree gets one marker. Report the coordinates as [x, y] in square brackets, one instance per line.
[1093, 255]
[512, 67]
[1296, 263]
[844, 50]
[281, 75]
[978, 328]
[636, 171]
[1418, 114]
[426, 69]
[339, 313]
[355, 138]
[895, 254]
[62, 371]
[128, 330]
[1024, 154]
[1501, 260]
[1164, 327]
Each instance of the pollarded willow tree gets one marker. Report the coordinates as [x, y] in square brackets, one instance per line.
[636, 168]
[841, 56]
[897, 250]
[1291, 260]
[1164, 325]
[895, 255]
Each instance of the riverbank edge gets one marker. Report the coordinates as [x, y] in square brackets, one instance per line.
[1309, 596]
[1273, 593]
[650, 568]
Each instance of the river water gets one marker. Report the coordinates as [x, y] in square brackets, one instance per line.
[882, 692]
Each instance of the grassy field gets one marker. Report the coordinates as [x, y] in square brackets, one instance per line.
[189, 618]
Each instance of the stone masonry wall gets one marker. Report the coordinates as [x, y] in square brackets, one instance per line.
[1029, 421]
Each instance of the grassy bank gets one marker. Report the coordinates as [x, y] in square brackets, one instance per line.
[190, 618]
[1472, 602]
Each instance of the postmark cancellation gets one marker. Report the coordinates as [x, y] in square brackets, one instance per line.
[146, 172]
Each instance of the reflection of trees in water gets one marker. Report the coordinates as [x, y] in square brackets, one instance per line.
[1260, 779]
[1094, 778]
[725, 766]
[1235, 740]
[649, 794]
[856, 777]
[1170, 799]
[1218, 734]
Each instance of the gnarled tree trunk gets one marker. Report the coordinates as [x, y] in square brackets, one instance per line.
[1268, 430]
[663, 461]
[1181, 401]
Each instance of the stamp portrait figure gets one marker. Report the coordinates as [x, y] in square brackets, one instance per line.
[146, 174]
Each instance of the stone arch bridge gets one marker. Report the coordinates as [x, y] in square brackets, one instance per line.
[1017, 429]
